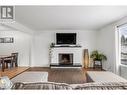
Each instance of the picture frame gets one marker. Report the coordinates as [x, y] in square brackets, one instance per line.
[1, 40]
[7, 40]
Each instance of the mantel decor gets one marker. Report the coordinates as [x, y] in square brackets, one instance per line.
[7, 40]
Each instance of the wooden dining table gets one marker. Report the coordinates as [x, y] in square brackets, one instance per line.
[3, 63]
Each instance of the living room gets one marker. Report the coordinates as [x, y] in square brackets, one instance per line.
[36, 27]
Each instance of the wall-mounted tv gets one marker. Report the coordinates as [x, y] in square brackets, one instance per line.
[66, 38]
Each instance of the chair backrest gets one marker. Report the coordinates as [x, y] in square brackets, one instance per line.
[15, 56]
[0, 61]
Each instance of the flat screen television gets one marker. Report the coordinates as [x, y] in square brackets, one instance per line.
[66, 38]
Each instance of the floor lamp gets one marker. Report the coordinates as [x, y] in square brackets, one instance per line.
[86, 58]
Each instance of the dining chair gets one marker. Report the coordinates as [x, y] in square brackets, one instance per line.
[0, 63]
[7, 61]
[11, 61]
[2, 66]
[15, 59]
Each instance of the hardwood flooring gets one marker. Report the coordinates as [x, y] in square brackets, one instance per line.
[63, 75]
[66, 75]
[13, 72]
[70, 76]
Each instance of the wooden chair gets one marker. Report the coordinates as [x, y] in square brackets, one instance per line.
[7, 61]
[15, 59]
[2, 64]
[11, 60]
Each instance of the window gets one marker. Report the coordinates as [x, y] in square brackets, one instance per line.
[123, 44]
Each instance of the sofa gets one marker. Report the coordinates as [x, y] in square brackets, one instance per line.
[64, 86]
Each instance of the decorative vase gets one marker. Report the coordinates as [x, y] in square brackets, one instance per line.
[86, 58]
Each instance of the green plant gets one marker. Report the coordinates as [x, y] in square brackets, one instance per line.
[95, 55]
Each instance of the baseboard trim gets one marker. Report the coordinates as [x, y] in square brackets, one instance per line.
[66, 66]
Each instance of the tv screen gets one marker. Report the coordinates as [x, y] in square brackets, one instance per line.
[65, 38]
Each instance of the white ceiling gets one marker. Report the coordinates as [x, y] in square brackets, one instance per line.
[68, 17]
[5, 28]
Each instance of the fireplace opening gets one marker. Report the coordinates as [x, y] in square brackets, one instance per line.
[66, 59]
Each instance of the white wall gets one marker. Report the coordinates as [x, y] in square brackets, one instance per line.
[22, 42]
[108, 44]
[43, 39]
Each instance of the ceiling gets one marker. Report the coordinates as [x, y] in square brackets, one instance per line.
[5, 28]
[68, 17]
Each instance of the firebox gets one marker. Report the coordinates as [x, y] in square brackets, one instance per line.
[65, 59]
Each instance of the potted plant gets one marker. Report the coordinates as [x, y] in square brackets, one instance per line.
[95, 55]
[98, 58]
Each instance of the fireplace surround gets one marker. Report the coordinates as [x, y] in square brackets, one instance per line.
[66, 57]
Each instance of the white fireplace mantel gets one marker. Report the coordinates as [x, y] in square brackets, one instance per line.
[76, 51]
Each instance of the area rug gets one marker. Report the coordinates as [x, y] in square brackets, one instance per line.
[31, 77]
[67, 75]
[105, 76]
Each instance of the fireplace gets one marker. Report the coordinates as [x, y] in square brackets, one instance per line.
[65, 59]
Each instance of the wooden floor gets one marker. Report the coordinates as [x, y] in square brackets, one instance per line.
[13, 71]
[66, 75]
[70, 76]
